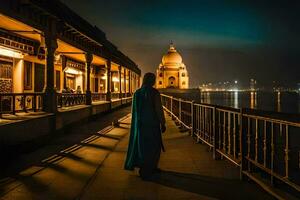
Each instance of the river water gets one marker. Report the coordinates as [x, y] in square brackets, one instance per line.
[286, 102]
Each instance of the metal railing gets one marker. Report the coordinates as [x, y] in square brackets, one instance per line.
[11, 103]
[70, 99]
[98, 97]
[261, 146]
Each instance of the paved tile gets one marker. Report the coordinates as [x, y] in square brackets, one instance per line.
[64, 175]
[94, 170]
[189, 172]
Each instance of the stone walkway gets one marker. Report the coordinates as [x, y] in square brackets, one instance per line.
[93, 169]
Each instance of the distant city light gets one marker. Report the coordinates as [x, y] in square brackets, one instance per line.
[235, 82]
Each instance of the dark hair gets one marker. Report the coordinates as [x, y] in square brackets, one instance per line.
[149, 79]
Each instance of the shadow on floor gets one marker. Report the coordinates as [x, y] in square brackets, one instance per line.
[13, 163]
[211, 186]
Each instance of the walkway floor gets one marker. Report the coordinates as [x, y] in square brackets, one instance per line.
[93, 169]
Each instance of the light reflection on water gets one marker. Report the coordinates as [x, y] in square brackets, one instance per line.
[287, 102]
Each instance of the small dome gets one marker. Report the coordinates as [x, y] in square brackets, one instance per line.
[172, 57]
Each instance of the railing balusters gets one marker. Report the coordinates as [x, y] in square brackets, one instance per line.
[19, 102]
[265, 143]
[211, 126]
[224, 131]
[214, 133]
[192, 118]
[272, 153]
[179, 110]
[242, 138]
[240, 122]
[248, 142]
[229, 133]
[203, 123]
[200, 121]
[241, 144]
[219, 127]
[256, 140]
[234, 135]
[286, 151]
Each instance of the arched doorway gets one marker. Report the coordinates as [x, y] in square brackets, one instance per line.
[171, 82]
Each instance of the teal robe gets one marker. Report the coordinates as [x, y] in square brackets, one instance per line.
[145, 141]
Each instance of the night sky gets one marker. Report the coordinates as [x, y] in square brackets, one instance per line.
[218, 40]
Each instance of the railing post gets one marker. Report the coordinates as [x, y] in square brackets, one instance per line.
[192, 118]
[171, 109]
[242, 146]
[215, 136]
[179, 110]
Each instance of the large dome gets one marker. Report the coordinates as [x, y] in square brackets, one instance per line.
[172, 57]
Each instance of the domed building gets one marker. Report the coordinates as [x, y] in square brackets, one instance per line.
[172, 72]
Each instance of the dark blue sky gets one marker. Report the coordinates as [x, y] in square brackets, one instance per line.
[218, 40]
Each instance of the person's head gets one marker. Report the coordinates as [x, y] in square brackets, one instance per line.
[149, 79]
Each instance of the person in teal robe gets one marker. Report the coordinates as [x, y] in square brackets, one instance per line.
[147, 125]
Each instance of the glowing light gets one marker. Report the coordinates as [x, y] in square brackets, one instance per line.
[115, 79]
[236, 99]
[72, 71]
[104, 77]
[235, 82]
[10, 53]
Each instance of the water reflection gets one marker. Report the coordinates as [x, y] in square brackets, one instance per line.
[253, 100]
[278, 102]
[236, 99]
[273, 101]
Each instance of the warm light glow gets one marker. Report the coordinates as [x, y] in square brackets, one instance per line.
[115, 79]
[10, 53]
[104, 77]
[72, 71]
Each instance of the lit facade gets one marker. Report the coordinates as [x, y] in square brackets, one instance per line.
[57, 52]
[172, 72]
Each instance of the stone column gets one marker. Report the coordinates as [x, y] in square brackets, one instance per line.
[50, 102]
[120, 81]
[108, 94]
[88, 60]
[125, 86]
